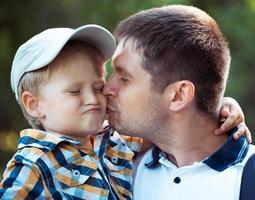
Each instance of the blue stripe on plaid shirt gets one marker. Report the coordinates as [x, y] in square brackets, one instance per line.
[47, 166]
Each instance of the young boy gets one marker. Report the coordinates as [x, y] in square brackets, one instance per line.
[57, 77]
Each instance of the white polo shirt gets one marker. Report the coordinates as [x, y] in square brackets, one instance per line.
[216, 178]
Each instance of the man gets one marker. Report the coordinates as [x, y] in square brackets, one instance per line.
[170, 72]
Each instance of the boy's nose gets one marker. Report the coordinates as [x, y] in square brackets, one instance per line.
[90, 98]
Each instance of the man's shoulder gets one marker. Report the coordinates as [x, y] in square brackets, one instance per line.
[250, 152]
[251, 149]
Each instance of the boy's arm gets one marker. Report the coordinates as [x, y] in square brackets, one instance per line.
[21, 181]
[232, 116]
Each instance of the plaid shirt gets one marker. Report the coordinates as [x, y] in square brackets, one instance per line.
[47, 166]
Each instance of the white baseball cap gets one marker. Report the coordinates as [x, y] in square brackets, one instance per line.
[42, 49]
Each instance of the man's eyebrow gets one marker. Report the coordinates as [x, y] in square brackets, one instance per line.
[122, 71]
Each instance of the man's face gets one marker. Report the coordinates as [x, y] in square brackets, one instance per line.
[133, 107]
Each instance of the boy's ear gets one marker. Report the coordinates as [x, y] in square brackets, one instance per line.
[31, 104]
[180, 93]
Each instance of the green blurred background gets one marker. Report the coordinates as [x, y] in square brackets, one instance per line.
[20, 20]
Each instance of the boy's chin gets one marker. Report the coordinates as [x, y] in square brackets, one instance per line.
[96, 127]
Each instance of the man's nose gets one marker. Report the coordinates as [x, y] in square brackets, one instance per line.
[110, 88]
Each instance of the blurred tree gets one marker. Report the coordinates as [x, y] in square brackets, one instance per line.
[20, 20]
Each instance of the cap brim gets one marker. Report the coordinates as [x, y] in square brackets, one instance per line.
[98, 37]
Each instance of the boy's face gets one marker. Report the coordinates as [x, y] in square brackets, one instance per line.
[72, 101]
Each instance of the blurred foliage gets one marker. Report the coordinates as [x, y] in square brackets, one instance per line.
[20, 20]
[8, 145]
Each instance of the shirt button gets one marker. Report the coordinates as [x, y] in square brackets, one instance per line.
[177, 180]
[114, 160]
[76, 173]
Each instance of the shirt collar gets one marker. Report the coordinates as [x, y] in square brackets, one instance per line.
[41, 139]
[230, 153]
[110, 143]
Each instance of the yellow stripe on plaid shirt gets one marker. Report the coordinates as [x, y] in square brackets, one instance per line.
[47, 166]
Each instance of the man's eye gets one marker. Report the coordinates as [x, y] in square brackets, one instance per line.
[124, 79]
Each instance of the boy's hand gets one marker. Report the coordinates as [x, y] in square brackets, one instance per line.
[243, 130]
[232, 116]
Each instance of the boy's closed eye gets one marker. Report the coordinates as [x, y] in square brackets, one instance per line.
[74, 91]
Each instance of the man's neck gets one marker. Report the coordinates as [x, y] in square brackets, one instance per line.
[191, 140]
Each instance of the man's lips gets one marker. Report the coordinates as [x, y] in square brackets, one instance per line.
[111, 108]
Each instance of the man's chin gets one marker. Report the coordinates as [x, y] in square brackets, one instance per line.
[112, 121]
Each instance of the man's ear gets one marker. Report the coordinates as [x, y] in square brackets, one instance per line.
[181, 93]
[31, 104]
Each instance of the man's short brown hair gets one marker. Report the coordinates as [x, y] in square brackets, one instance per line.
[181, 43]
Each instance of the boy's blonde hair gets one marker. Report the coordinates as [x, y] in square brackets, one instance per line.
[34, 81]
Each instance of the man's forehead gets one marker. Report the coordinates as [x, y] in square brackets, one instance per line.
[120, 51]
[126, 50]
[119, 63]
